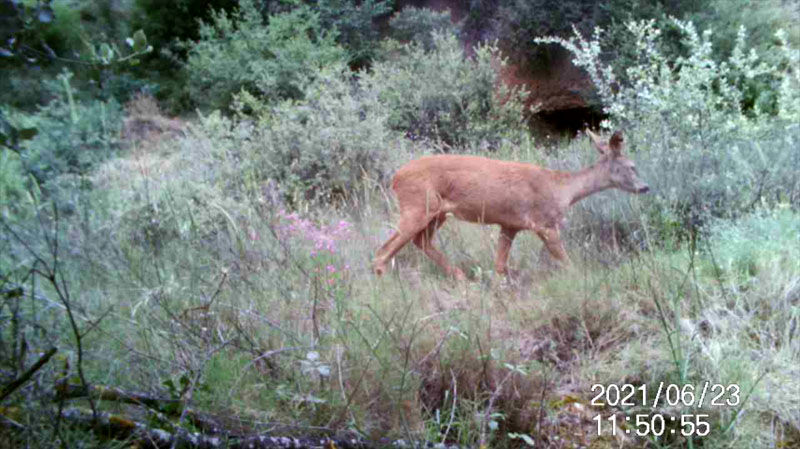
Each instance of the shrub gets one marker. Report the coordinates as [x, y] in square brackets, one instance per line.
[419, 25]
[72, 135]
[353, 22]
[237, 51]
[444, 95]
[326, 145]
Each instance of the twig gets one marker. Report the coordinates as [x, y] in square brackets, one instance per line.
[103, 393]
[453, 408]
[19, 381]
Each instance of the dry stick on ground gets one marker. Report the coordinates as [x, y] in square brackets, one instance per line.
[19, 381]
[72, 391]
[153, 403]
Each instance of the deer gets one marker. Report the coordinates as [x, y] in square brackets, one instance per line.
[517, 196]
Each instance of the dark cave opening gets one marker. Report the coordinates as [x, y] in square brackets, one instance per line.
[562, 123]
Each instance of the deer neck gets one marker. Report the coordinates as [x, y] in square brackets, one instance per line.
[583, 183]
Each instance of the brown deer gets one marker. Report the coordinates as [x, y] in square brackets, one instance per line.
[514, 195]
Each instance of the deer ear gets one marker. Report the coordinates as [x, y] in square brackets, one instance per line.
[616, 142]
[601, 146]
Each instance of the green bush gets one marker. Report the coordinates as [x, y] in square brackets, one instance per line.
[445, 96]
[354, 23]
[419, 24]
[237, 51]
[72, 136]
[326, 145]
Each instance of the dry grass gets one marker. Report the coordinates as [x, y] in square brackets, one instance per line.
[145, 123]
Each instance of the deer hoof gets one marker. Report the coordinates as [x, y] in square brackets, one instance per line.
[379, 270]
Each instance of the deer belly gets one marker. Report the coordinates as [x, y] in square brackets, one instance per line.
[475, 215]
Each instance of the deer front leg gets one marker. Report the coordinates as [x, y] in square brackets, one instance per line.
[503, 249]
[424, 240]
[551, 236]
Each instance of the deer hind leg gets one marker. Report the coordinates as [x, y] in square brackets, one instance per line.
[503, 249]
[551, 237]
[424, 239]
[409, 226]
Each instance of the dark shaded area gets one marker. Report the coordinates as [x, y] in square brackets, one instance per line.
[566, 122]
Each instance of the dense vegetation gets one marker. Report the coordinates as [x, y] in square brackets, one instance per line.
[207, 269]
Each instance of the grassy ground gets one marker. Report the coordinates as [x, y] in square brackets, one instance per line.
[207, 288]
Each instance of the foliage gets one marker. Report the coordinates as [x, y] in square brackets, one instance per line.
[324, 242]
[325, 145]
[12, 182]
[353, 21]
[419, 25]
[72, 136]
[761, 19]
[165, 22]
[515, 23]
[704, 153]
[442, 95]
[12, 176]
[22, 26]
[237, 51]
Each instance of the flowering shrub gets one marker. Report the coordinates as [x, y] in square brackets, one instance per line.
[323, 241]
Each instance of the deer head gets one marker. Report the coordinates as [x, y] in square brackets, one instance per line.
[621, 170]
